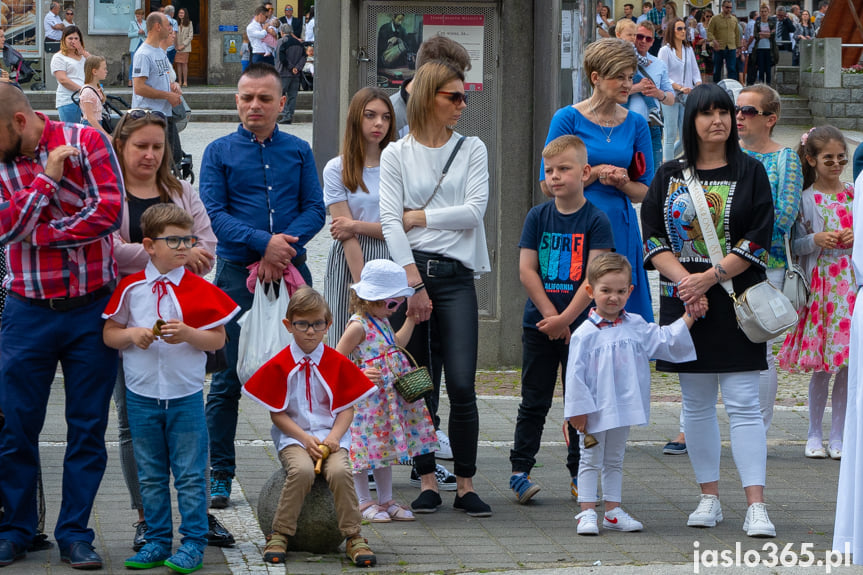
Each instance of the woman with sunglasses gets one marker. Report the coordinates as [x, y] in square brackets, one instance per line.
[757, 114]
[141, 145]
[736, 186]
[67, 66]
[766, 51]
[679, 58]
[703, 49]
[434, 192]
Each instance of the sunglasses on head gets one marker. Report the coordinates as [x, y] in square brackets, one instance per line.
[643, 38]
[174, 242]
[393, 303]
[841, 162]
[750, 111]
[455, 97]
[138, 113]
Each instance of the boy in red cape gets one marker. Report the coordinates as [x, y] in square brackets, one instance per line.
[310, 390]
[164, 319]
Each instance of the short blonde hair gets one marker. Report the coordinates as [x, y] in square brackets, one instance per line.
[607, 57]
[563, 143]
[770, 101]
[430, 78]
[607, 263]
[624, 24]
[307, 301]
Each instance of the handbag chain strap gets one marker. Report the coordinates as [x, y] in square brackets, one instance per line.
[445, 170]
[708, 230]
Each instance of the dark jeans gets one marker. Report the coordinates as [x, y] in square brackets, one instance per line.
[752, 68]
[33, 340]
[450, 338]
[263, 58]
[171, 55]
[290, 87]
[540, 357]
[730, 59]
[224, 396]
[765, 63]
[174, 138]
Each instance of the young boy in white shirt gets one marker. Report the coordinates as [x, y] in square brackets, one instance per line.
[164, 319]
[608, 385]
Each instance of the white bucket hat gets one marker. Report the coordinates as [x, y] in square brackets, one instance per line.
[382, 279]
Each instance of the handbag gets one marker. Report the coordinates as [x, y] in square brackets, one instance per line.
[679, 96]
[414, 384]
[637, 167]
[763, 312]
[796, 286]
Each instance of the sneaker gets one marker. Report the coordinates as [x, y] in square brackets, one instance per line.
[619, 520]
[358, 551]
[707, 514]
[187, 559]
[445, 449]
[140, 535]
[757, 523]
[151, 555]
[217, 535]
[674, 448]
[220, 490]
[372, 485]
[276, 549]
[446, 481]
[654, 118]
[573, 487]
[523, 487]
[587, 523]
[471, 504]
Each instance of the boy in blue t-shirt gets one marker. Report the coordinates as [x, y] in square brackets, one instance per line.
[559, 239]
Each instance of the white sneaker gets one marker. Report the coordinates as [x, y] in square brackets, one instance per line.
[757, 523]
[707, 514]
[445, 450]
[619, 520]
[587, 523]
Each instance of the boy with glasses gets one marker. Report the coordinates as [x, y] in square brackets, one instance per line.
[164, 362]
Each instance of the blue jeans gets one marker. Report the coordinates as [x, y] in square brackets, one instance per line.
[764, 57]
[656, 145]
[170, 436]
[224, 397]
[730, 59]
[672, 144]
[263, 58]
[32, 340]
[70, 113]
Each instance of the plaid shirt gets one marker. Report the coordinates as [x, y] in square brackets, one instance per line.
[58, 234]
[602, 323]
[657, 16]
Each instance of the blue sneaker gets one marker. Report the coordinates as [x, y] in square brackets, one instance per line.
[674, 448]
[187, 559]
[220, 490]
[151, 555]
[523, 487]
[573, 487]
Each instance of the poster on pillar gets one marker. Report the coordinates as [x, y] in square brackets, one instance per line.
[400, 35]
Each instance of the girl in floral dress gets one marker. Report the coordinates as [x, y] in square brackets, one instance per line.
[387, 430]
[823, 238]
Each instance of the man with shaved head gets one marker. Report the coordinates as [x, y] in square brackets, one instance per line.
[60, 202]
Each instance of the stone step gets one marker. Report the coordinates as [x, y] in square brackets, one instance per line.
[198, 99]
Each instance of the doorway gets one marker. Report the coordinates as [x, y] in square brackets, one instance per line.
[199, 11]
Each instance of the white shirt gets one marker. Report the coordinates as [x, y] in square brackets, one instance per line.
[164, 370]
[50, 21]
[679, 72]
[256, 34]
[608, 372]
[317, 421]
[310, 30]
[74, 71]
[364, 207]
[454, 217]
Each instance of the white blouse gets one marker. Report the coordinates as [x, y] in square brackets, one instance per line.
[683, 71]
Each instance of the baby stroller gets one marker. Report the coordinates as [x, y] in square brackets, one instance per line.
[112, 110]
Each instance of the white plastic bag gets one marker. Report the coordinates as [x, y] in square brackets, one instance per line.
[262, 333]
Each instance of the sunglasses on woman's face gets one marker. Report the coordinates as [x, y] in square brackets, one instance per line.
[454, 97]
[393, 303]
[679, 28]
[829, 163]
[750, 111]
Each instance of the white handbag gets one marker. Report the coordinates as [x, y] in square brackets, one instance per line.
[763, 312]
[796, 286]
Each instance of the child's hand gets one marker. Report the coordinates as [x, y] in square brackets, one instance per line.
[310, 442]
[141, 336]
[332, 443]
[579, 422]
[176, 331]
[375, 375]
[846, 237]
[826, 240]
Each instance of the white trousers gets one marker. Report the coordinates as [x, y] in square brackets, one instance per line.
[607, 458]
[748, 440]
[769, 380]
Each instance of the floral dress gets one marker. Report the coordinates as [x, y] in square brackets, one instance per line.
[820, 342]
[386, 429]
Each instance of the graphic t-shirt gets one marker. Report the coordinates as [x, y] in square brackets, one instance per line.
[152, 63]
[563, 243]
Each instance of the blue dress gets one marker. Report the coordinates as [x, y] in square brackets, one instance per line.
[627, 138]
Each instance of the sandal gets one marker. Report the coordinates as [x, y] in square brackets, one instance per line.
[374, 514]
[357, 549]
[399, 512]
[276, 549]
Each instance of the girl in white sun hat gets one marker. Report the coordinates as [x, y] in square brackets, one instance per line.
[387, 430]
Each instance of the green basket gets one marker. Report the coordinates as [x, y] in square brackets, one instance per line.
[414, 384]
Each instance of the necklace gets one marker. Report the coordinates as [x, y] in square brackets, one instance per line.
[598, 123]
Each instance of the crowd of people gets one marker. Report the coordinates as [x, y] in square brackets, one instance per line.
[106, 252]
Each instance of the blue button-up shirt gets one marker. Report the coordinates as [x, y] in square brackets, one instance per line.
[255, 189]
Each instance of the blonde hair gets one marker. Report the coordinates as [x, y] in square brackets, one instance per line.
[770, 101]
[91, 64]
[430, 78]
[624, 24]
[608, 57]
[307, 301]
[359, 305]
[563, 143]
[607, 263]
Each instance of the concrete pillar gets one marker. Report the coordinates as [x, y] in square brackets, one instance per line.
[832, 62]
[806, 48]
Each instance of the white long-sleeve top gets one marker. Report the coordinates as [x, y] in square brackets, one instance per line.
[454, 217]
[683, 71]
[256, 34]
[608, 372]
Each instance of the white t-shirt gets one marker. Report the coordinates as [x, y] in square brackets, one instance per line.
[364, 206]
[310, 30]
[74, 71]
[152, 64]
[48, 24]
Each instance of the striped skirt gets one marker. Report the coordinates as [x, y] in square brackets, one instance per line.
[338, 280]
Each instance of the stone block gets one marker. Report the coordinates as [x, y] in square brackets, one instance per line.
[854, 110]
[837, 95]
[318, 524]
[817, 79]
[852, 80]
[818, 108]
[837, 110]
[805, 78]
[842, 123]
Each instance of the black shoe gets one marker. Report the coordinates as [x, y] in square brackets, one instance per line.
[140, 535]
[10, 552]
[287, 121]
[471, 504]
[218, 536]
[427, 502]
[81, 555]
[39, 542]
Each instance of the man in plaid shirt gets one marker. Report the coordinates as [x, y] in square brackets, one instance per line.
[657, 15]
[60, 201]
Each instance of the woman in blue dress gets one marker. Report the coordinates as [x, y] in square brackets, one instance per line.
[614, 137]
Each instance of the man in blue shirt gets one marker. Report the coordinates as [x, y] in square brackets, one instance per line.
[261, 190]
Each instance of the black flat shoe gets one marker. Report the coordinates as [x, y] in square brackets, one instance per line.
[218, 536]
[81, 555]
[140, 535]
[471, 504]
[427, 502]
[39, 543]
